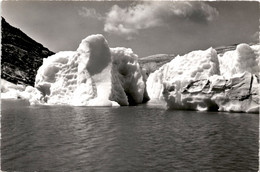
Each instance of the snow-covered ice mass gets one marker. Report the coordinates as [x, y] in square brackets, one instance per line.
[203, 80]
[96, 75]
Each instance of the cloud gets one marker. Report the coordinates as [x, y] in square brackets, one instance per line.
[128, 21]
[90, 12]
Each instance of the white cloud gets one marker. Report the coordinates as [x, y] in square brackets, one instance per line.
[128, 21]
[90, 12]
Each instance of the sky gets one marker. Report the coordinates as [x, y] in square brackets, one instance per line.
[147, 27]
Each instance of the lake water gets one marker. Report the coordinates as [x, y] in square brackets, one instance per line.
[140, 138]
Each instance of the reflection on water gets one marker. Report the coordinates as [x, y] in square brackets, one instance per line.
[140, 138]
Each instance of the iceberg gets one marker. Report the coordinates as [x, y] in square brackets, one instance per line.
[93, 75]
[183, 69]
[243, 58]
[237, 94]
[203, 80]
[128, 77]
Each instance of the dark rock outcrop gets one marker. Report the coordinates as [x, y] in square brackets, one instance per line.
[21, 55]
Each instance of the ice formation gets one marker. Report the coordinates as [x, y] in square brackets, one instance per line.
[237, 94]
[94, 75]
[10, 90]
[13, 91]
[202, 80]
[244, 58]
[127, 76]
[183, 69]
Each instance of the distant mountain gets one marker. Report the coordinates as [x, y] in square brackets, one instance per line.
[154, 62]
[21, 55]
[222, 49]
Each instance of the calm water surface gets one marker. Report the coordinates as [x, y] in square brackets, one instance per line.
[140, 138]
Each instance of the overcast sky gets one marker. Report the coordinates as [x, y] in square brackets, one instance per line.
[146, 27]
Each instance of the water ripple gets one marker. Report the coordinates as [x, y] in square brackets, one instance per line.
[62, 138]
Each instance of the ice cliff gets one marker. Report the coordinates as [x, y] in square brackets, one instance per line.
[204, 80]
[237, 94]
[93, 75]
[183, 69]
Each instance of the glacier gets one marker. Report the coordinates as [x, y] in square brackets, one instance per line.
[93, 75]
[97, 75]
[204, 80]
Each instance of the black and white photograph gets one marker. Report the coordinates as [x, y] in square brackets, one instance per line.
[130, 86]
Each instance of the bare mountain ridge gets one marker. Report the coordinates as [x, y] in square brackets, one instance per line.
[21, 55]
[154, 62]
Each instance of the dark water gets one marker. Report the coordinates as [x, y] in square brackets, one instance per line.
[60, 138]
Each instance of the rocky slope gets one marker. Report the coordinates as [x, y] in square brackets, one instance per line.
[21, 55]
